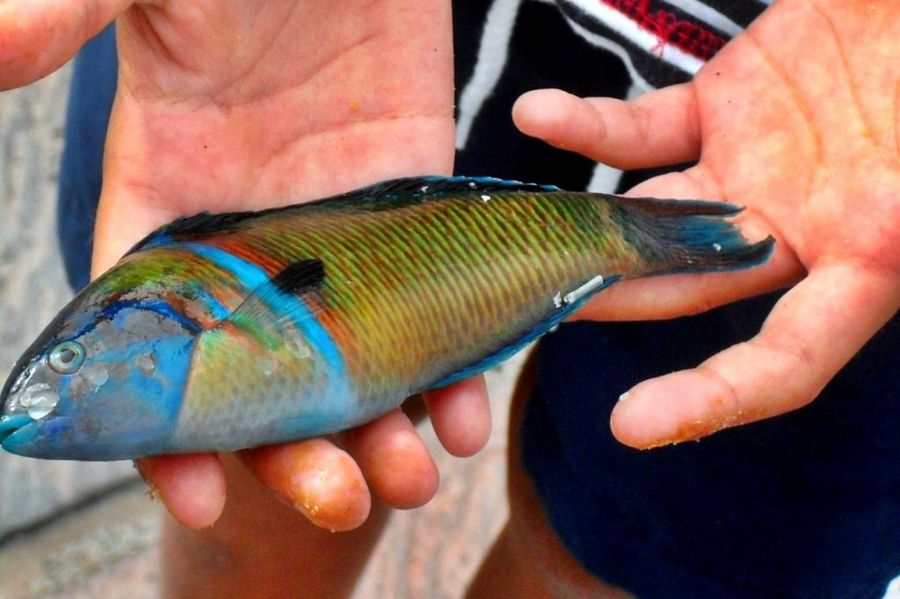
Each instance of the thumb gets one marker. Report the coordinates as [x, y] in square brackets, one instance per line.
[39, 36]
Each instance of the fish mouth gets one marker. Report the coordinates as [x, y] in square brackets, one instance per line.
[12, 423]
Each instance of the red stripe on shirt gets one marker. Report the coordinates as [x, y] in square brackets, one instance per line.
[669, 29]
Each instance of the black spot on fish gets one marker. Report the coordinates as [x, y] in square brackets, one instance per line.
[300, 276]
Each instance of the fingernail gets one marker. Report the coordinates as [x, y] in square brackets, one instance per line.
[153, 493]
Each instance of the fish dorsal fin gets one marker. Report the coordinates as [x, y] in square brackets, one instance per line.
[205, 223]
[435, 185]
[384, 195]
[410, 191]
[193, 227]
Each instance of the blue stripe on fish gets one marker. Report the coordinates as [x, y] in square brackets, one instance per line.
[159, 306]
[250, 275]
[255, 278]
[215, 307]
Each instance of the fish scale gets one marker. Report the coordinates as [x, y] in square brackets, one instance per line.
[443, 241]
[257, 328]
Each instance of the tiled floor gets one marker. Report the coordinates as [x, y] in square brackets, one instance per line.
[97, 530]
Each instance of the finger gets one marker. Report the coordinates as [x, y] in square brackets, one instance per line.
[656, 129]
[316, 478]
[461, 416]
[810, 334]
[671, 296]
[39, 36]
[191, 486]
[396, 462]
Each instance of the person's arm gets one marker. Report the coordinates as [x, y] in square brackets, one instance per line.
[234, 105]
[796, 119]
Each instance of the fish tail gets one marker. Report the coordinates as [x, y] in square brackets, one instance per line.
[689, 236]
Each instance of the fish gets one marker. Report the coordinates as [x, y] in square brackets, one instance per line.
[220, 332]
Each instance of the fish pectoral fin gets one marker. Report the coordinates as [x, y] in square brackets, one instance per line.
[564, 304]
[291, 299]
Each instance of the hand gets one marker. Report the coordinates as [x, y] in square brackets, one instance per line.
[234, 105]
[797, 119]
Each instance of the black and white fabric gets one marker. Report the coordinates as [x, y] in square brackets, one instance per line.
[804, 505]
[618, 48]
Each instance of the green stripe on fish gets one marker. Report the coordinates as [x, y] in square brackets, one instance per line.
[321, 316]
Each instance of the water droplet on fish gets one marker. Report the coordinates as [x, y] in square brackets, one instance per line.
[96, 375]
[146, 362]
[423, 189]
[717, 247]
[22, 379]
[485, 198]
[267, 365]
[39, 400]
[300, 348]
[557, 300]
[472, 184]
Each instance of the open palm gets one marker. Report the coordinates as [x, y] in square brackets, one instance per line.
[797, 120]
[236, 105]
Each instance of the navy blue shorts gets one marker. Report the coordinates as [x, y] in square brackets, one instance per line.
[805, 505]
[90, 101]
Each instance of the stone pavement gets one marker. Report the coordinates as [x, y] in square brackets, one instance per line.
[88, 530]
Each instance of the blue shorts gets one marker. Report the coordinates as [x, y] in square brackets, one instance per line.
[90, 101]
[805, 505]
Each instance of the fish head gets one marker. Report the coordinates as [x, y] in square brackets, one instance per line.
[103, 381]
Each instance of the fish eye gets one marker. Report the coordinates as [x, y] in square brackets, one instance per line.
[66, 357]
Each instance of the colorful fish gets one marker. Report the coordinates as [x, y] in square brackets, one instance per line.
[220, 332]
